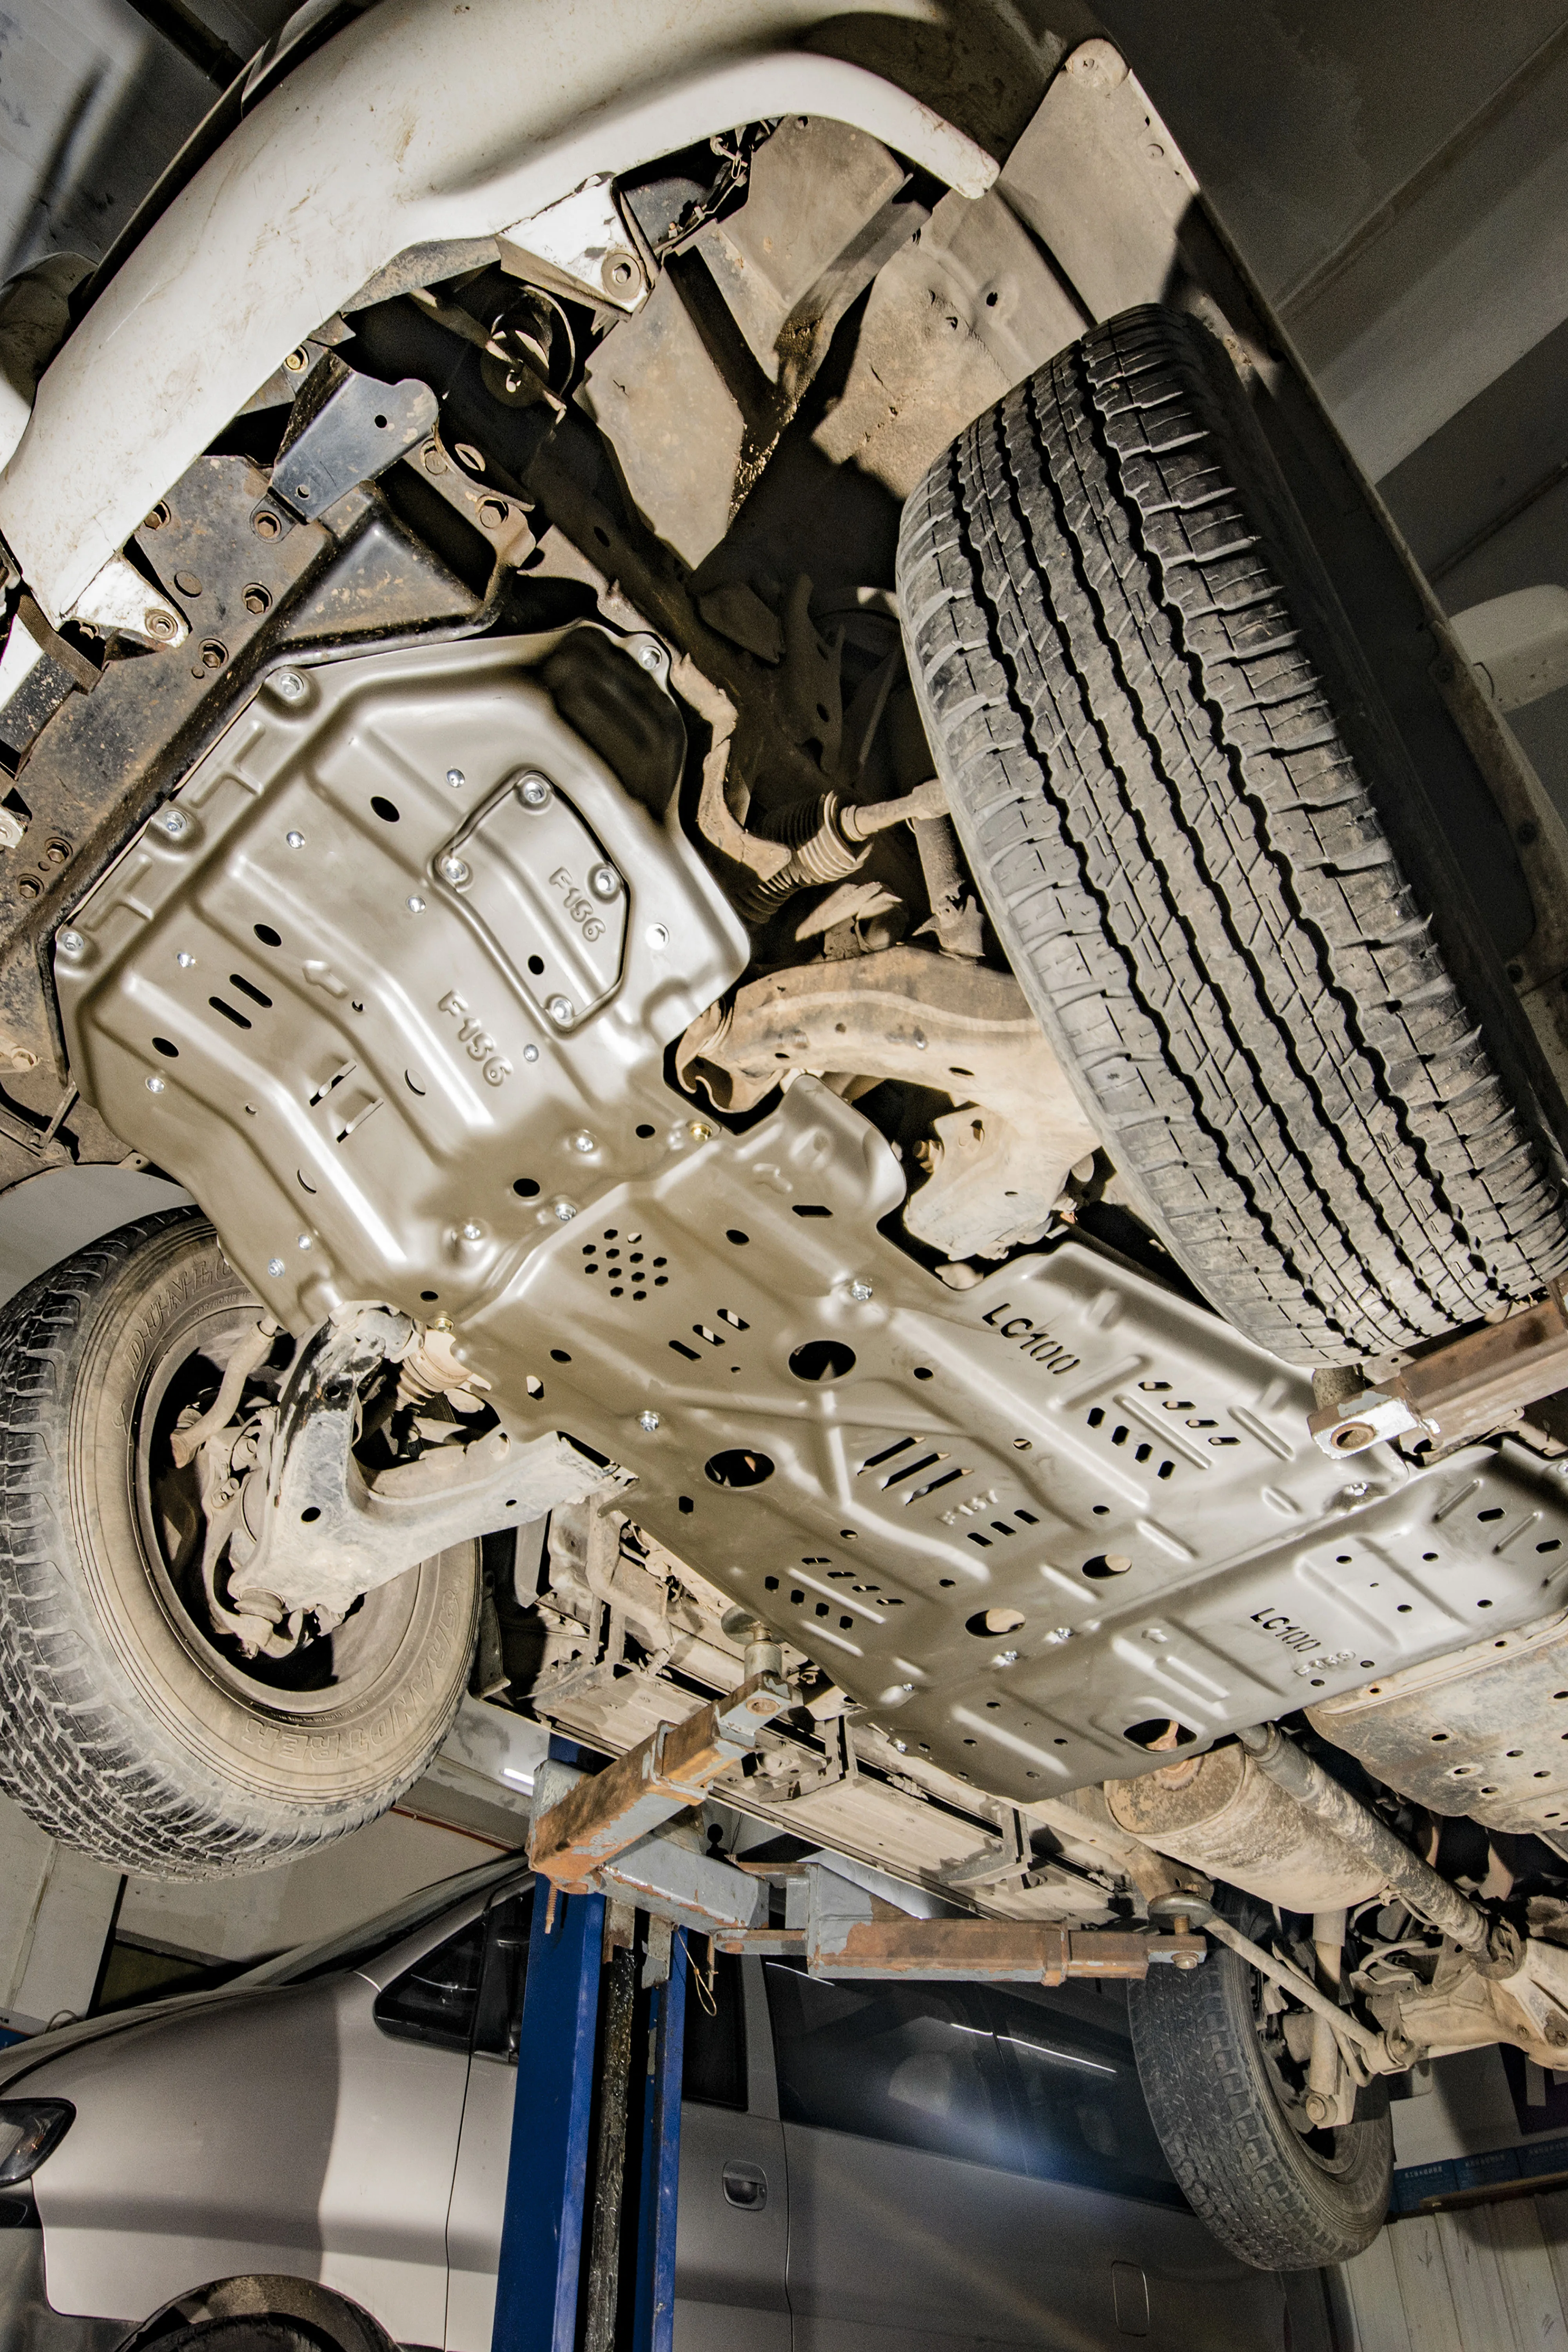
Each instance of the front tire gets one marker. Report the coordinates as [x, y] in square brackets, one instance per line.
[1166, 767]
[1278, 2198]
[133, 1730]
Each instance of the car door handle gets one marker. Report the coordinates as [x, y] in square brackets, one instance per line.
[745, 2185]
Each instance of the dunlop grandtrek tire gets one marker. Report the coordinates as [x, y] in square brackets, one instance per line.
[127, 1731]
[1163, 757]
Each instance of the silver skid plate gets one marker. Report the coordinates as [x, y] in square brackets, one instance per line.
[1019, 1524]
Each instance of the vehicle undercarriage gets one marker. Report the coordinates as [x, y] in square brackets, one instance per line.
[509, 834]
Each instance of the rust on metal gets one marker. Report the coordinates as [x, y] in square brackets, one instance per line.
[673, 1769]
[1016, 1950]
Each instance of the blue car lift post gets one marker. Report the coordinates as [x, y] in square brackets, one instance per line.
[559, 2070]
[602, 1853]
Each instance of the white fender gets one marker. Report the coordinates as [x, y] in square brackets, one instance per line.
[423, 120]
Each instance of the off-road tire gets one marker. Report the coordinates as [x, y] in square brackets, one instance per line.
[123, 1734]
[1165, 759]
[1239, 2162]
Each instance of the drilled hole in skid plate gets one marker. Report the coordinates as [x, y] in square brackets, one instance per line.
[430, 1295]
[267, 935]
[387, 811]
[822, 1360]
[1159, 1732]
[994, 1621]
[738, 1467]
[685, 1504]
[165, 1046]
[526, 1188]
[311, 1512]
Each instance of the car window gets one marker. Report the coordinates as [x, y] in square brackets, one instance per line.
[713, 2061]
[359, 1948]
[498, 2012]
[915, 2063]
[437, 1998]
[996, 2076]
[1079, 2104]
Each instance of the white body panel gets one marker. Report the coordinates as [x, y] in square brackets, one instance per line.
[416, 124]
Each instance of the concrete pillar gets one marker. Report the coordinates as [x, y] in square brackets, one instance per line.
[57, 1912]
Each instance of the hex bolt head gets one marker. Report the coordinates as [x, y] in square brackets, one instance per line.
[604, 882]
[415, 905]
[275, 1266]
[175, 822]
[860, 1290]
[154, 1085]
[648, 1420]
[295, 840]
[530, 1052]
[560, 1010]
[651, 657]
[159, 624]
[303, 1240]
[184, 958]
[473, 1231]
[71, 942]
[583, 1141]
[457, 779]
[456, 871]
[536, 791]
[289, 685]
[565, 1211]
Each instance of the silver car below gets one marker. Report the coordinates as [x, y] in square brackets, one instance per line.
[326, 2142]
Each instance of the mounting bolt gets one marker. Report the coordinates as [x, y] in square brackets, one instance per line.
[297, 361]
[565, 1211]
[71, 942]
[303, 1240]
[295, 840]
[415, 905]
[650, 656]
[699, 1130]
[159, 624]
[289, 685]
[536, 791]
[154, 1085]
[648, 1420]
[530, 1052]
[583, 1141]
[1355, 1488]
[1318, 2107]
[473, 1231]
[456, 871]
[184, 958]
[174, 824]
[457, 779]
[604, 882]
[275, 1266]
[860, 1290]
[560, 1010]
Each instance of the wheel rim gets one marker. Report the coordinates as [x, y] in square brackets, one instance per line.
[327, 1671]
[1330, 2149]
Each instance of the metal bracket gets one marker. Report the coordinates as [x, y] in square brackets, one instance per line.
[1468, 1388]
[347, 429]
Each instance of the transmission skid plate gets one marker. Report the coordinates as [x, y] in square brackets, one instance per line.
[344, 987]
